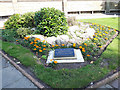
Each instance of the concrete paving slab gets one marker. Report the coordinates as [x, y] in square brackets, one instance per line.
[114, 83]
[102, 87]
[10, 75]
[12, 78]
[108, 86]
[119, 83]
[0, 71]
[22, 82]
[92, 16]
[0, 79]
[0, 62]
[5, 63]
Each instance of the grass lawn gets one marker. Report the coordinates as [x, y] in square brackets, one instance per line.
[112, 22]
[25, 56]
[72, 78]
[68, 78]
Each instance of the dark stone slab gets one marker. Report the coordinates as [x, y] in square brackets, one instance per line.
[65, 52]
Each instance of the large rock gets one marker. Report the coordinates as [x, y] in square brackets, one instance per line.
[59, 42]
[51, 40]
[72, 40]
[41, 37]
[61, 39]
[69, 44]
[64, 37]
[73, 28]
[90, 32]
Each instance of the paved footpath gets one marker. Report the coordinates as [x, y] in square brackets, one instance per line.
[93, 16]
[12, 78]
[112, 85]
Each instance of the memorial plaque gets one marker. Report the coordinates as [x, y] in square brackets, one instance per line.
[68, 55]
[65, 52]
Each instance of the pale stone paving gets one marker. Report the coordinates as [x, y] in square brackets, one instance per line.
[12, 78]
[112, 84]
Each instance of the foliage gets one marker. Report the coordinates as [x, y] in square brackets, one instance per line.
[36, 45]
[28, 19]
[14, 21]
[44, 57]
[50, 22]
[19, 52]
[9, 34]
[53, 63]
[23, 31]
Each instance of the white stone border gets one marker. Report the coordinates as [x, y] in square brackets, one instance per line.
[78, 54]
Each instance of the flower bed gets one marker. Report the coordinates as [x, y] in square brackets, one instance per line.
[72, 78]
[91, 49]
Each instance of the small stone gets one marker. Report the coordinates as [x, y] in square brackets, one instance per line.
[17, 62]
[8, 62]
[41, 37]
[95, 57]
[58, 42]
[72, 40]
[47, 65]
[91, 83]
[33, 29]
[69, 44]
[64, 37]
[51, 40]
[73, 28]
[91, 62]
[108, 86]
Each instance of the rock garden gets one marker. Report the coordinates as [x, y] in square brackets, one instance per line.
[29, 38]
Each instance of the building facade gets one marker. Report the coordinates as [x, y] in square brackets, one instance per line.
[10, 7]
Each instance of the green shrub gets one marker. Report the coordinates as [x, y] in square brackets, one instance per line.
[9, 34]
[50, 22]
[28, 19]
[14, 21]
[23, 31]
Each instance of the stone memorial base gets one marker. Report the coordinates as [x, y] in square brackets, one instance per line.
[77, 58]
